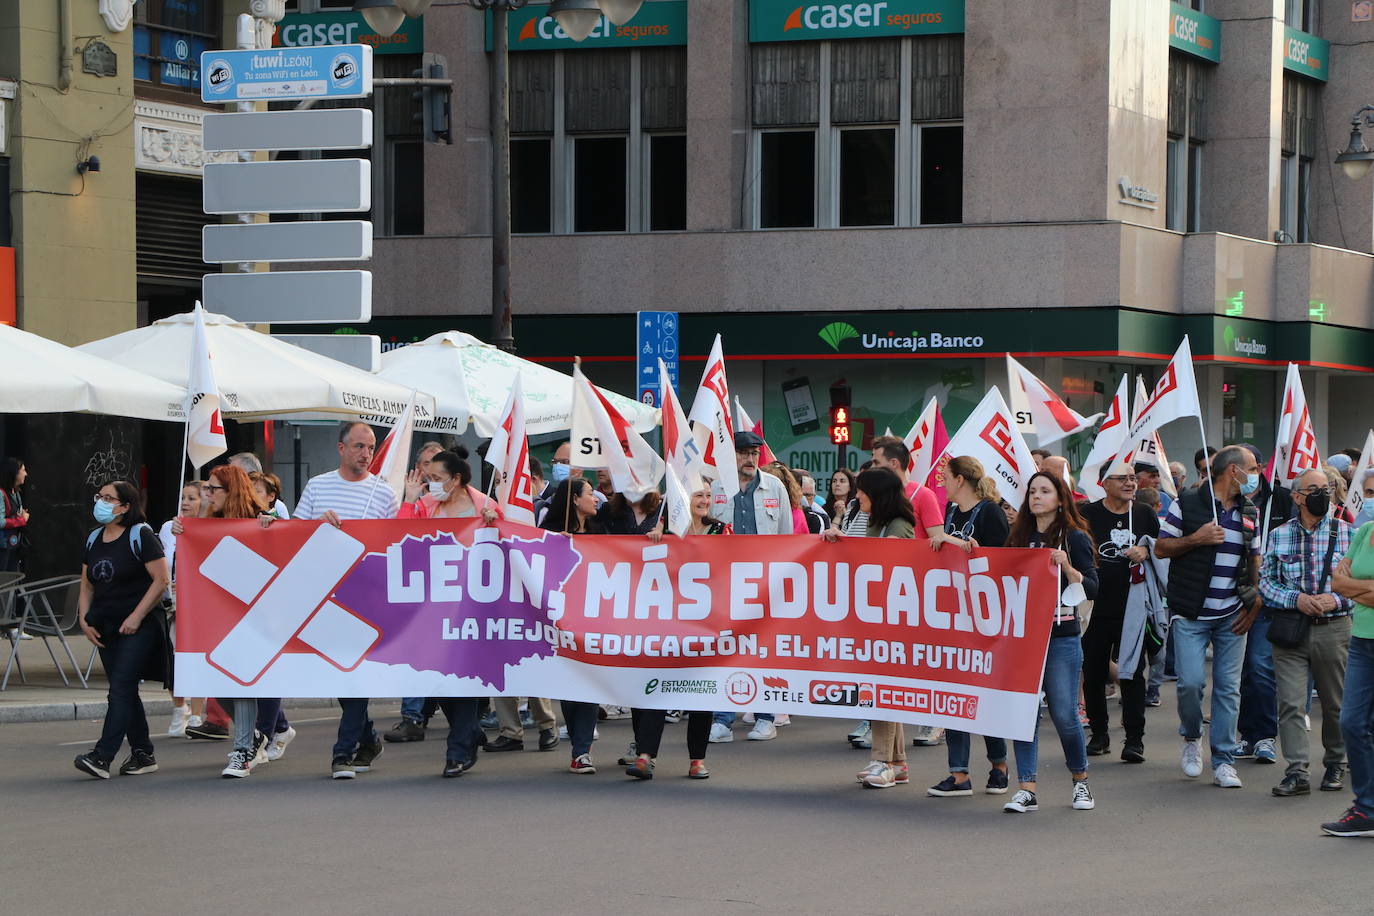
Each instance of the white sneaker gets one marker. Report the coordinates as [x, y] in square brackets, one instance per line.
[861, 731]
[878, 775]
[926, 735]
[1082, 796]
[617, 712]
[763, 731]
[1192, 759]
[1225, 776]
[782, 719]
[180, 717]
[747, 718]
[240, 764]
[279, 743]
[720, 734]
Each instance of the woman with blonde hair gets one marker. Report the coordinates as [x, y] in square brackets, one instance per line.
[794, 494]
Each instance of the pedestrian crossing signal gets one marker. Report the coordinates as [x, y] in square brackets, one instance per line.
[839, 425]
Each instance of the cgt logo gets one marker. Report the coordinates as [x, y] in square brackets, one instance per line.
[833, 693]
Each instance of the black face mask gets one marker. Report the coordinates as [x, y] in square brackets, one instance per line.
[1318, 503]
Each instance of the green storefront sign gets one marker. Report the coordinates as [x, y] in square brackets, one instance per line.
[656, 24]
[345, 28]
[1194, 33]
[1306, 54]
[789, 20]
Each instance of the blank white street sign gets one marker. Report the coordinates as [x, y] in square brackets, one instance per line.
[325, 128]
[290, 297]
[363, 351]
[307, 186]
[331, 240]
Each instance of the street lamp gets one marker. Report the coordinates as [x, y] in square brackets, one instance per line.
[1356, 159]
[577, 18]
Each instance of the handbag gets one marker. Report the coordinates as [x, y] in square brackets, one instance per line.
[1287, 627]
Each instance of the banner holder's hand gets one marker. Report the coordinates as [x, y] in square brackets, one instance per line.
[332, 518]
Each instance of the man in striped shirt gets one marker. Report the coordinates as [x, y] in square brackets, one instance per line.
[1209, 537]
[351, 492]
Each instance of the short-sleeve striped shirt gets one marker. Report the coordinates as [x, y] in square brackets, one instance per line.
[1222, 599]
[366, 498]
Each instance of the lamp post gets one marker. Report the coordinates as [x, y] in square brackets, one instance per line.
[1355, 160]
[577, 18]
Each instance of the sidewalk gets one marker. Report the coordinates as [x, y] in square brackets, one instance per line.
[45, 699]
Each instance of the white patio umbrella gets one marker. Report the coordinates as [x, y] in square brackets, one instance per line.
[471, 379]
[44, 376]
[259, 376]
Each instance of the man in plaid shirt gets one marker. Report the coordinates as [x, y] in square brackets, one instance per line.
[1296, 575]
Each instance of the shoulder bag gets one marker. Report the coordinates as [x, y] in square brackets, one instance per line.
[1287, 627]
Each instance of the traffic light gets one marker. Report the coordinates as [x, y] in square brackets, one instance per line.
[434, 101]
[839, 424]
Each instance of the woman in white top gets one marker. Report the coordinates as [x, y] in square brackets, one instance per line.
[184, 713]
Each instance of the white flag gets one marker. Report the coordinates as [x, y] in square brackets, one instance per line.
[1354, 500]
[509, 454]
[392, 460]
[204, 426]
[1174, 396]
[607, 441]
[924, 442]
[1296, 452]
[991, 436]
[677, 506]
[1111, 436]
[679, 448]
[1053, 418]
[1148, 449]
[714, 435]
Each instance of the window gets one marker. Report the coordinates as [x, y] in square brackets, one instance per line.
[1301, 15]
[169, 36]
[1298, 148]
[598, 142]
[1188, 80]
[858, 132]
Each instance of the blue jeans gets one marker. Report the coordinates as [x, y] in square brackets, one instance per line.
[728, 718]
[354, 727]
[1063, 665]
[413, 709]
[461, 713]
[1190, 661]
[1357, 721]
[581, 721]
[958, 749]
[1259, 696]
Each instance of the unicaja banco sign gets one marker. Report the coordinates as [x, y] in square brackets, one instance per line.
[789, 20]
[837, 334]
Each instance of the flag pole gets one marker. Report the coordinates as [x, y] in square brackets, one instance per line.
[1210, 489]
[567, 504]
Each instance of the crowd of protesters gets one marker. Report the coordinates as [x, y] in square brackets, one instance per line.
[1156, 587]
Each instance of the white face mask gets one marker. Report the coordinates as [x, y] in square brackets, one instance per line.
[436, 489]
[1074, 595]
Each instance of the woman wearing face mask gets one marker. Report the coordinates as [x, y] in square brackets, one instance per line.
[123, 577]
[256, 720]
[1050, 519]
[448, 493]
[1365, 483]
[648, 723]
[573, 511]
[972, 519]
[183, 713]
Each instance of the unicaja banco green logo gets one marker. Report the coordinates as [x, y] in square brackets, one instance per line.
[837, 332]
[1245, 346]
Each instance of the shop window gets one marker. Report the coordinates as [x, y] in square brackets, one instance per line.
[1188, 81]
[597, 142]
[836, 144]
[169, 36]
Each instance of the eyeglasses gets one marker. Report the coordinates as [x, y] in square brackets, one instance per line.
[558, 460]
[1123, 478]
[108, 500]
[1309, 491]
[214, 488]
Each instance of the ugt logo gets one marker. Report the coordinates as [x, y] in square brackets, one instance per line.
[998, 435]
[288, 602]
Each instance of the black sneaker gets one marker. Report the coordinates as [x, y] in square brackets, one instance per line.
[1099, 745]
[948, 788]
[997, 782]
[366, 755]
[548, 739]
[1352, 823]
[1292, 784]
[1333, 779]
[406, 730]
[1152, 696]
[138, 763]
[93, 764]
[1133, 752]
[208, 730]
[453, 769]
[342, 767]
[1021, 802]
[505, 743]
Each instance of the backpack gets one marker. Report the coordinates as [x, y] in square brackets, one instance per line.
[135, 539]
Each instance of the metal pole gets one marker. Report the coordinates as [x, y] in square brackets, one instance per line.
[501, 334]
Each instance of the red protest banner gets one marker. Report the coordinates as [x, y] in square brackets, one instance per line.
[781, 624]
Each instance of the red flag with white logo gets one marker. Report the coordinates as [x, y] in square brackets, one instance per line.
[991, 436]
[715, 436]
[927, 441]
[1053, 418]
[509, 454]
[204, 425]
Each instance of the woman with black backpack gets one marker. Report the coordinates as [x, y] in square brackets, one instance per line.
[123, 577]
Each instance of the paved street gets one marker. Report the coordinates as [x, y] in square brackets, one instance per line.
[780, 827]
